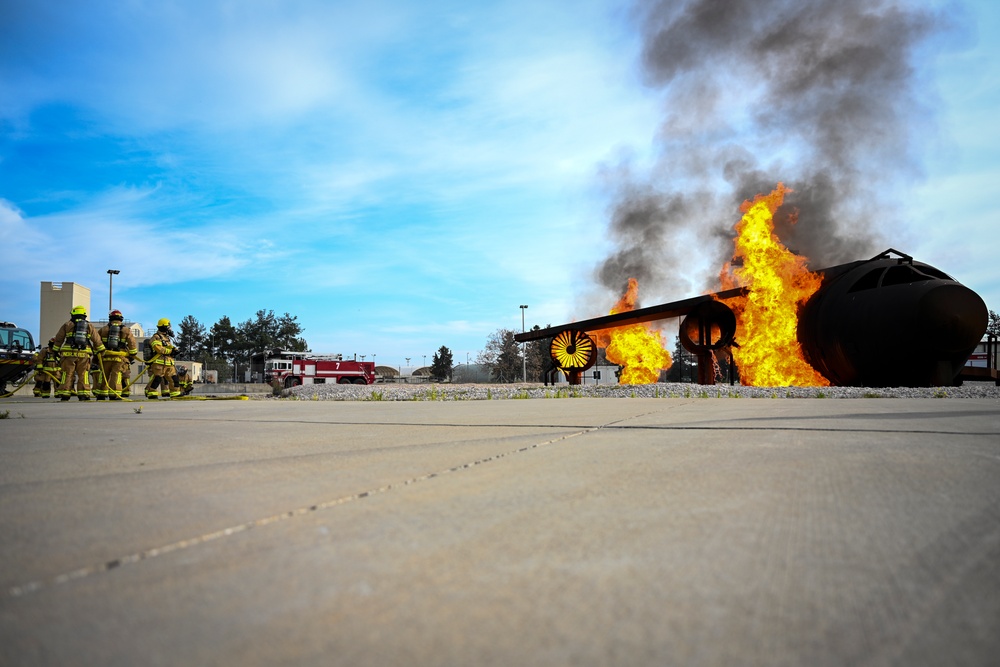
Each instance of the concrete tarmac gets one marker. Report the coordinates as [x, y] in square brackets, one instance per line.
[518, 532]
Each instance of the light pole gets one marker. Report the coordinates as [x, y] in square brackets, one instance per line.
[524, 357]
[111, 276]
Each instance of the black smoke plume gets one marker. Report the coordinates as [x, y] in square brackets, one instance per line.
[823, 95]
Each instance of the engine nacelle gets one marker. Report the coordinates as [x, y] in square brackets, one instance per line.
[573, 352]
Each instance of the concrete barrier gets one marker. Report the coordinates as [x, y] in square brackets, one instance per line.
[232, 388]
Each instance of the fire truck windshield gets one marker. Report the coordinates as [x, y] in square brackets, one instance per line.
[277, 365]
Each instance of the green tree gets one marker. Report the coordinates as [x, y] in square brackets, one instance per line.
[221, 338]
[502, 356]
[537, 356]
[441, 364]
[191, 339]
[222, 341]
[680, 369]
[266, 332]
[994, 326]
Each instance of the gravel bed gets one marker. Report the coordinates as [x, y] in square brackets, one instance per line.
[479, 392]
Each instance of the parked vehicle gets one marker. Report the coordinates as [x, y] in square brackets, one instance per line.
[16, 350]
[291, 369]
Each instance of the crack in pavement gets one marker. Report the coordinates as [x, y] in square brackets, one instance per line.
[619, 424]
[107, 566]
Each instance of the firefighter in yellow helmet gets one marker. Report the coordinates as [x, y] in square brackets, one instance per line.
[119, 350]
[161, 365]
[46, 370]
[77, 341]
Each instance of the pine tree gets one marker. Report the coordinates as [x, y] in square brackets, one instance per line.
[190, 339]
[441, 364]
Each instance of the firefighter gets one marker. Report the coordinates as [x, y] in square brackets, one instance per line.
[77, 341]
[161, 364]
[119, 350]
[127, 376]
[184, 382]
[46, 370]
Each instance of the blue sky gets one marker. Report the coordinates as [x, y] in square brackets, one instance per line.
[398, 175]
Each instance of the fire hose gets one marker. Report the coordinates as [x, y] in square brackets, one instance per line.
[17, 387]
[173, 398]
[131, 382]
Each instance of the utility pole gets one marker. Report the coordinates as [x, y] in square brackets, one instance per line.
[111, 276]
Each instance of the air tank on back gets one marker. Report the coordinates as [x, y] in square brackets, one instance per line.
[890, 321]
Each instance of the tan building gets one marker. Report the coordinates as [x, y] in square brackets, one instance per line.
[57, 299]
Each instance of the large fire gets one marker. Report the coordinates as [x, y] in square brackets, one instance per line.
[769, 354]
[767, 318]
[637, 347]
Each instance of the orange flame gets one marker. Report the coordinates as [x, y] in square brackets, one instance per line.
[637, 347]
[767, 318]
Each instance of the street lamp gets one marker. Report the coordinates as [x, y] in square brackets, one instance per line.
[524, 357]
[111, 276]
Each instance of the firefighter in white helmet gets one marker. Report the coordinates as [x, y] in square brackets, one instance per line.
[119, 350]
[161, 364]
[77, 341]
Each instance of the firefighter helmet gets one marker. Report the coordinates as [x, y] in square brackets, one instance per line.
[116, 315]
[78, 310]
[164, 322]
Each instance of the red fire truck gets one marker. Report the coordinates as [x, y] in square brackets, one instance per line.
[295, 368]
